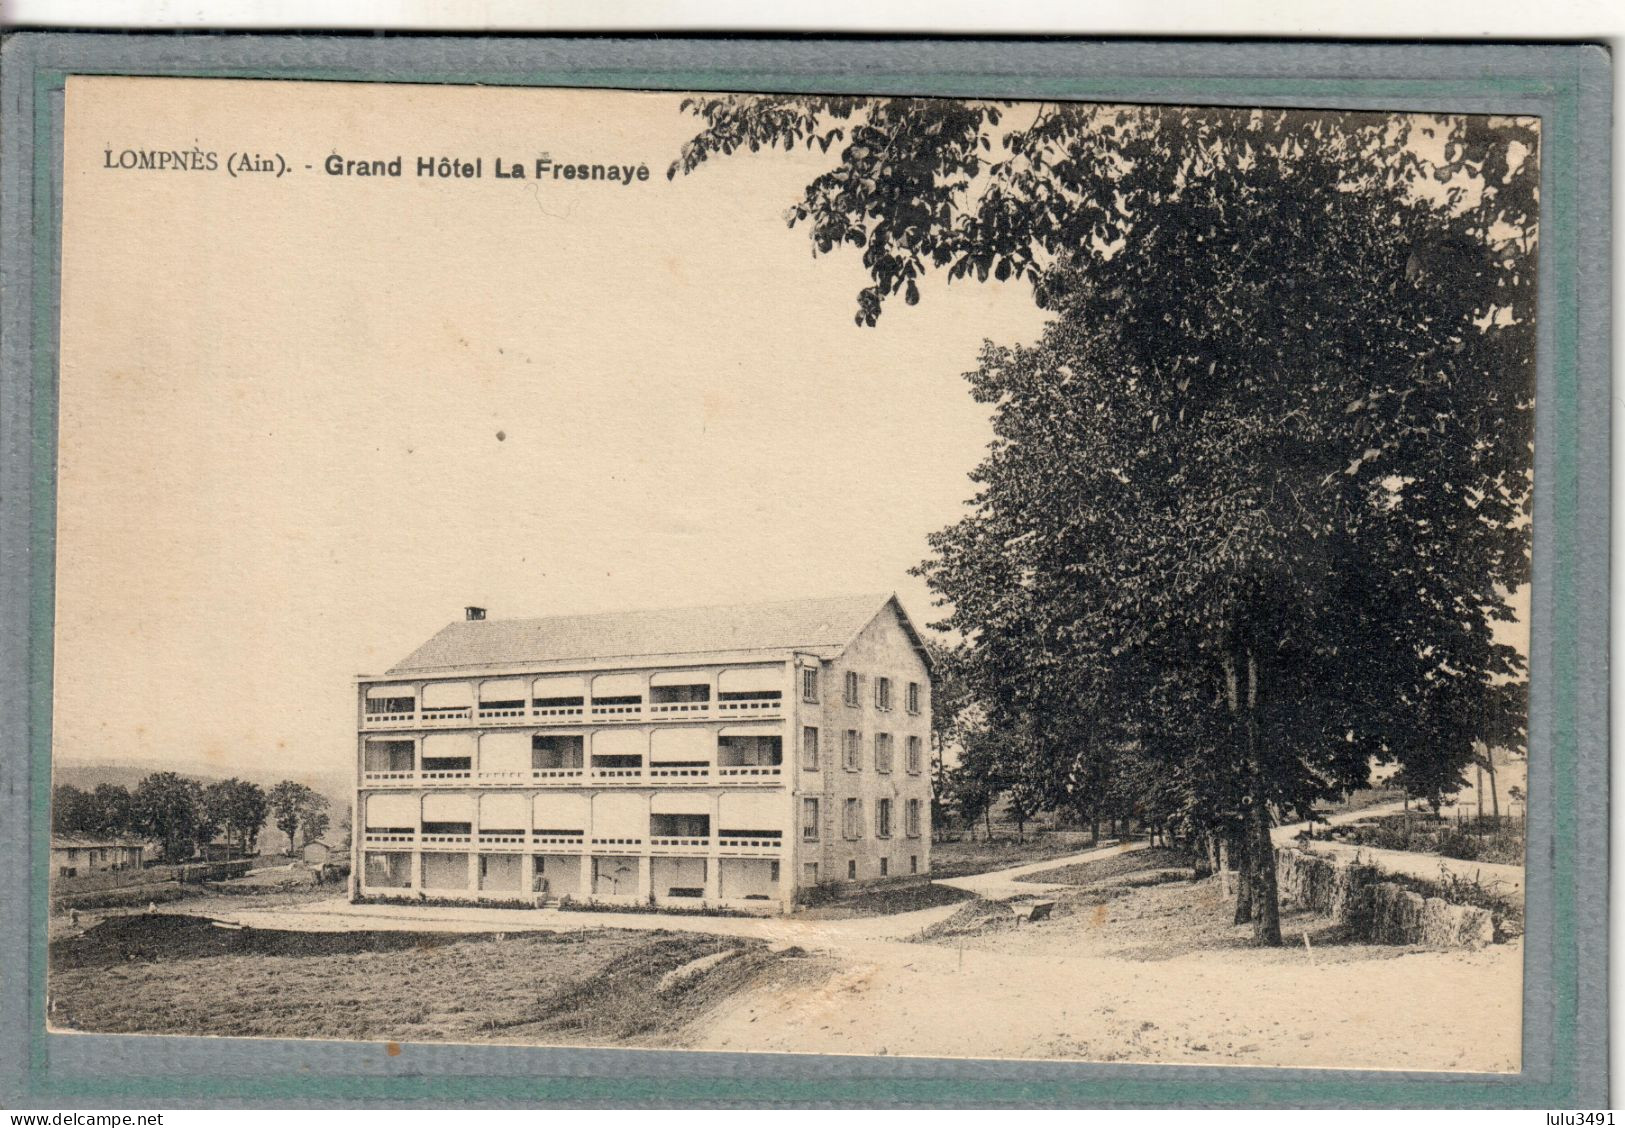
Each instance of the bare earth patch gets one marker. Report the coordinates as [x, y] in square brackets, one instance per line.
[1153, 973]
[183, 975]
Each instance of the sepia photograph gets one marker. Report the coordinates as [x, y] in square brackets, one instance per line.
[830, 574]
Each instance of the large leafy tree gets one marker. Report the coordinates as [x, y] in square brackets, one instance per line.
[239, 808]
[1257, 496]
[294, 805]
[170, 809]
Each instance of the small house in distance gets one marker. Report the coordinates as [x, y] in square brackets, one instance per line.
[727, 755]
[75, 857]
[320, 853]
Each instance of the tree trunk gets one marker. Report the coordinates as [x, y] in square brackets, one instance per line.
[1267, 918]
[1094, 830]
[1241, 854]
[1495, 797]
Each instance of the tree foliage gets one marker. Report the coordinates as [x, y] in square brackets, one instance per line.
[239, 809]
[294, 805]
[1259, 493]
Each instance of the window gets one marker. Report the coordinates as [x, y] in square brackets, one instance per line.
[852, 819]
[913, 698]
[809, 820]
[809, 749]
[912, 751]
[809, 873]
[851, 869]
[809, 684]
[883, 751]
[883, 694]
[850, 692]
[885, 866]
[913, 863]
[851, 753]
[911, 818]
[882, 818]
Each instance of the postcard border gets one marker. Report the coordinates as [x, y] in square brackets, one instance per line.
[1565, 1035]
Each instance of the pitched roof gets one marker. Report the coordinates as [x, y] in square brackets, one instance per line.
[74, 842]
[815, 625]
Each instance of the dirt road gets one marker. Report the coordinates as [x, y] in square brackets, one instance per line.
[1084, 988]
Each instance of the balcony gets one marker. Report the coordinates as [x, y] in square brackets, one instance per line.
[680, 773]
[732, 843]
[616, 712]
[654, 776]
[399, 719]
[557, 775]
[749, 842]
[750, 705]
[503, 840]
[679, 844]
[746, 774]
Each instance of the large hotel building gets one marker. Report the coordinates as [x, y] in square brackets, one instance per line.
[719, 755]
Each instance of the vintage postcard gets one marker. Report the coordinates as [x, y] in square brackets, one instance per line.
[849, 575]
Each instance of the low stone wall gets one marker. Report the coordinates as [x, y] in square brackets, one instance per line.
[1401, 916]
[1373, 909]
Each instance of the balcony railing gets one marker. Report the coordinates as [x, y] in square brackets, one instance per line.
[557, 775]
[442, 717]
[576, 777]
[688, 771]
[577, 842]
[501, 841]
[752, 706]
[508, 712]
[389, 838]
[760, 771]
[679, 842]
[733, 842]
[680, 708]
[618, 712]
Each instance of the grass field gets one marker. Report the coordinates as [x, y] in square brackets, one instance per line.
[167, 974]
[883, 900]
[964, 857]
[1151, 860]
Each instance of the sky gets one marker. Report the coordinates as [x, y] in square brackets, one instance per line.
[306, 418]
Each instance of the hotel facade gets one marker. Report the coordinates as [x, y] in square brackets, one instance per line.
[726, 756]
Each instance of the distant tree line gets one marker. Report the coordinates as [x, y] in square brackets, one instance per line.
[184, 816]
